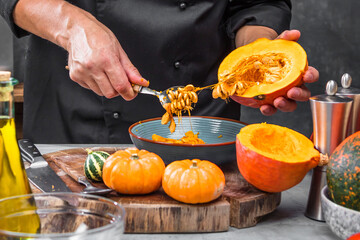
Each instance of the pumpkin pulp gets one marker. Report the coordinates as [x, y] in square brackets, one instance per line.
[278, 143]
[274, 158]
[189, 138]
[261, 71]
[254, 70]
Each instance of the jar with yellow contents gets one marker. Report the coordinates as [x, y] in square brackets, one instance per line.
[13, 179]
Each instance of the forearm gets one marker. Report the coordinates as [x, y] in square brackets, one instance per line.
[248, 34]
[54, 20]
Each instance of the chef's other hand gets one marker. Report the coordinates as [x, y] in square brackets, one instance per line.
[301, 93]
[98, 62]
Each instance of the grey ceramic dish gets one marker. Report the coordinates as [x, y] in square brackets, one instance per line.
[218, 133]
[343, 221]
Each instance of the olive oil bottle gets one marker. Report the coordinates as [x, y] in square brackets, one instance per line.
[13, 179]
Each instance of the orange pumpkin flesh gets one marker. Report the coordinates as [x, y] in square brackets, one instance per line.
[274, 158]
[193, 181]
[266, 68]
[133, 171]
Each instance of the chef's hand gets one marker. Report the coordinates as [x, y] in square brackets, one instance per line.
[96, 59]
[301, 93]
[98, 62]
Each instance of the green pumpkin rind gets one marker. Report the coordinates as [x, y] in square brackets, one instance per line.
[343, 173]
[94, 163]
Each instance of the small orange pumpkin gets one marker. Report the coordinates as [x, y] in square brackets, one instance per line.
[133, 171]
[193, 181]
[274, 158]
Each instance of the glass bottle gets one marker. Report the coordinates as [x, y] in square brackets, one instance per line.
[13, 179]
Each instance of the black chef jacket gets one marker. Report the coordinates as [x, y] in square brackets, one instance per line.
[171, 42]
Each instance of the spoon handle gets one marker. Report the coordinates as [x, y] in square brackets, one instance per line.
[145, 90]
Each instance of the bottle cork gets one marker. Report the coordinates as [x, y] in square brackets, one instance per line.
[6, 87]
[5, 75]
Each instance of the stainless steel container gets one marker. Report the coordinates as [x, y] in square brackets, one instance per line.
[330, 114]
[354, 93]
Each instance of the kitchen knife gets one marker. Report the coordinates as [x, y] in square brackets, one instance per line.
[39, 172]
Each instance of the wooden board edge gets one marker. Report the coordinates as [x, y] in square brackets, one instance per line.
[248, 214]
[207, 218]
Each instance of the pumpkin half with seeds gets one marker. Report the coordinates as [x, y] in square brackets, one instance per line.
[259, 72]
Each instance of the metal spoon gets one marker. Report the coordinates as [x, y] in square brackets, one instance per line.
[90, 189]
[162, 95]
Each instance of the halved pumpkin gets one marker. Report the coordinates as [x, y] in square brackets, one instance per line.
[259, 72]
[274, 158]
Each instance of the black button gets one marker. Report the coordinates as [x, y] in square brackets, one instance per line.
[177, 64]
[182, 5]
[116, 115]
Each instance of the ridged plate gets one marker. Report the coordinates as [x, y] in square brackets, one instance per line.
[218, 133]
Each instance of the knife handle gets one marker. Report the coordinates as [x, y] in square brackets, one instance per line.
[28, 150]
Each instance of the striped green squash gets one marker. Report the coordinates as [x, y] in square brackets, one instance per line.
[94, 164]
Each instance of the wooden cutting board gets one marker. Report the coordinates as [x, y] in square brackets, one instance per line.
[240, 206]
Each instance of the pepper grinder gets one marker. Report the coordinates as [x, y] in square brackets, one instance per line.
[330, 114]
[354, 93]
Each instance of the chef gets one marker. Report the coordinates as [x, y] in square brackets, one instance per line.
[109, 45]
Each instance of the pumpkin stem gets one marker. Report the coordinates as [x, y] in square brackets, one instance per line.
[134, 156]
[194, 164]
[324, 159]
[88, 150]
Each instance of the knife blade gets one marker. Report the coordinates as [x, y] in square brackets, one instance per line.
[39, 173]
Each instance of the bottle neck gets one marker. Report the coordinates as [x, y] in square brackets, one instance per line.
[7, 99]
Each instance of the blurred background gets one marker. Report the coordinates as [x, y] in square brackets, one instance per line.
[330, 34]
